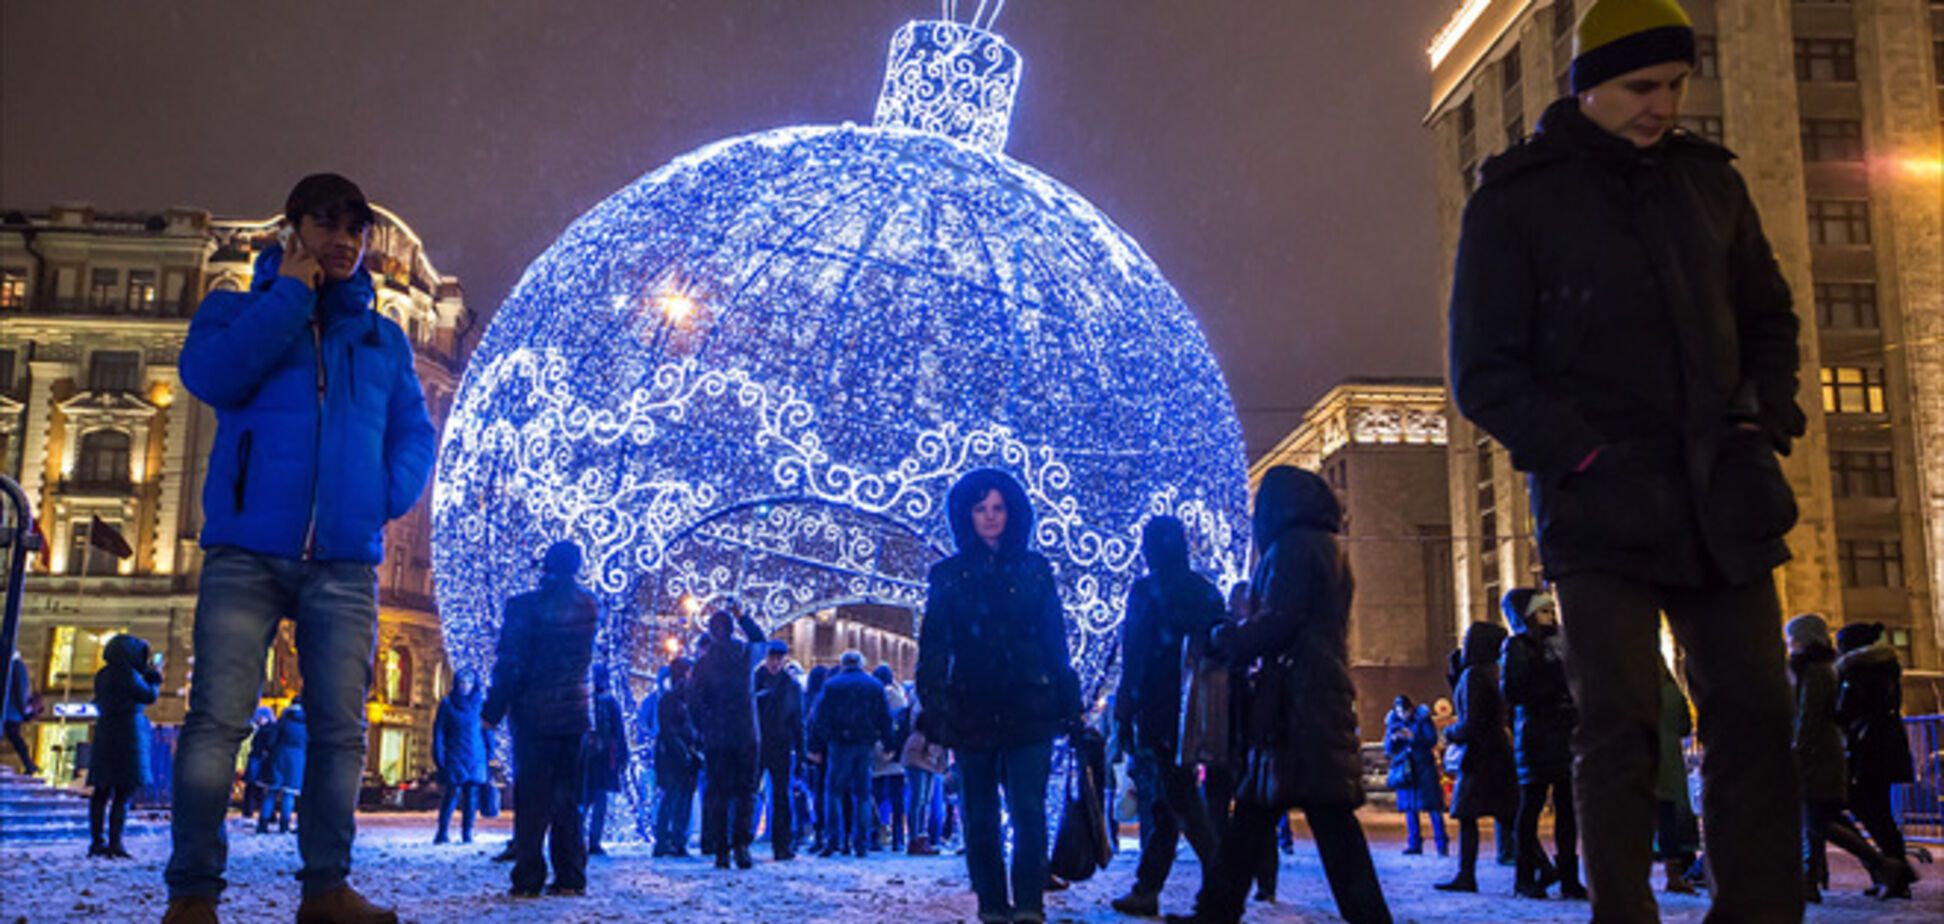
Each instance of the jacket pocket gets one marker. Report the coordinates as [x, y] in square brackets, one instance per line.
[1748, 496]
[242, 469]
[1626, 500]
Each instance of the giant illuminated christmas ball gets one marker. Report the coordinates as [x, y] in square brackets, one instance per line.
[754, 373]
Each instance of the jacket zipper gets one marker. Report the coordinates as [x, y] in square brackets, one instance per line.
[317, 441]
[242, 469]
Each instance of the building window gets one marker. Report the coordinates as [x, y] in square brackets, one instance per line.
[1825, 60]
[1707, 126]
[103, 459]
[396, 668]
[1467, 135]
[1825, 140]
[87, 558]
[101, 288]
[141, 291]
[75, 652]
[13, 287]
[1852, 390]
[1899, 638]
[1871, 562]
[1512, 96]
[1707, 57]
[1846, 305]
[1562, 23]
[1862, 473]
[1839, 222]
[115, 370]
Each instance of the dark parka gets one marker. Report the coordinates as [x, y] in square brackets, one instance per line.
[1166, 608]
[1487, 785]
[721, 697]
[1625, 301]
[1409, 741]
[993, 667]
[458, 735]
[851, 710]
[604, 759]
[546, 645]
[678, 747]
[1869, 703]
[1532, 675]
[1818, 739]
[124, 687]
[1302, 719]
[779, 715]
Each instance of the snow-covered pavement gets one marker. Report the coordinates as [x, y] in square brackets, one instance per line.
[396, 862]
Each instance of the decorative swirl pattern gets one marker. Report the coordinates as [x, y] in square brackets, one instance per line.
[951, 79]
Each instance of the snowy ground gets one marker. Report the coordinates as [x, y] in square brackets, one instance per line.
[396, 863]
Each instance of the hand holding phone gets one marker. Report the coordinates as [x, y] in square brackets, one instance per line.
[298, 262]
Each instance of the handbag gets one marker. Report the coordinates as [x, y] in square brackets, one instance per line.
[1454, 757]
[1402, 775]
[1077, 852]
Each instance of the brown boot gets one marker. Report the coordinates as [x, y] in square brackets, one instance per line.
[193, 909]
[343, 905]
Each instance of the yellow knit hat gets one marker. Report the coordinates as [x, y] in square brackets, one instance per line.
[1618, 36]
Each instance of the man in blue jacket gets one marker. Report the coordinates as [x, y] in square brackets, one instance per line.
[322, 437]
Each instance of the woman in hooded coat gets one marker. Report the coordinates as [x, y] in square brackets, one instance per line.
[1302, 723]
[1410, 738]
[998, 685]
[1818, 744]
[604, 759]
[118, 764]
[459, 751]
[1488, 781]
[1869, 704]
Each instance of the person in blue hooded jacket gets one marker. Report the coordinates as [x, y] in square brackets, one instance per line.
[998, 685]
[322, 437]
[289, 744]
[118, 764]
[459, 750]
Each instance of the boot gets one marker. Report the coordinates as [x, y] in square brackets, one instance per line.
[505, 856]
[1569, 879]
[921, 847]
[722, 860]
[343, 905]
[743, 860]
[192, 909]
[1897, 878]
[1677, 881]
[1465, 881]
[1139, 904]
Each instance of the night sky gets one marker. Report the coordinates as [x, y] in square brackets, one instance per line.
[1267, 153]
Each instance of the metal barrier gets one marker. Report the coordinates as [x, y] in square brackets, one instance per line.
[1919, 806]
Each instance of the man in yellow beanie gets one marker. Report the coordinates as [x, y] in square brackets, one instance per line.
[1619, 324]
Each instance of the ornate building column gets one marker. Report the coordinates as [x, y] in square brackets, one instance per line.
[40, 419]
[177, 410]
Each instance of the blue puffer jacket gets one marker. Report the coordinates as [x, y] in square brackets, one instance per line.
[292, 472]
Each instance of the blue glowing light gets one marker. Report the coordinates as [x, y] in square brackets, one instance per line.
[755, 372]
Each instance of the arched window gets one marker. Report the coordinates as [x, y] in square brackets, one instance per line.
[103, 458]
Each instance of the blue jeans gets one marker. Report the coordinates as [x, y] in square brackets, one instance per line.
[1024, 770]
[848, 794]
[673, 812]
[918, 803]
[242, 599]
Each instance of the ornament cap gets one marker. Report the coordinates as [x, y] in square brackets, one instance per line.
[951, 79]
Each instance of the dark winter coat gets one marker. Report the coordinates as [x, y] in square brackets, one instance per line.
[1817, 738]
[1165, 609]
[1532, 675]
[540, 674]
[851, 710]
[779, 715]
[993, 666]
[605, 756]
[291, 466]
[289, 744]
[1869, 703]
[20, 690]
[1487, 784]
[257, 767]
[1676, 723]
[123, 689]
[1302, 720]
[721, 695]
[678, 747]
[1622, 300]
[1411, 741]
[459, 738]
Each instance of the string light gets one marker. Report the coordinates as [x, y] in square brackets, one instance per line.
[844, 320]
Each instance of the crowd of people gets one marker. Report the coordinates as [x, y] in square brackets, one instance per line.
[1618, 324]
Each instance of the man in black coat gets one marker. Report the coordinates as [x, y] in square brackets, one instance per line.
[779, 718]
[1165, 609]
[540, 680]
[1532, 675]
[724, 706]
[851, 718]
[678, 755]
[1618, 323]
[1869, 704]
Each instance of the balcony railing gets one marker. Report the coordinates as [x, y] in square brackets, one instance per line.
[181, 308]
